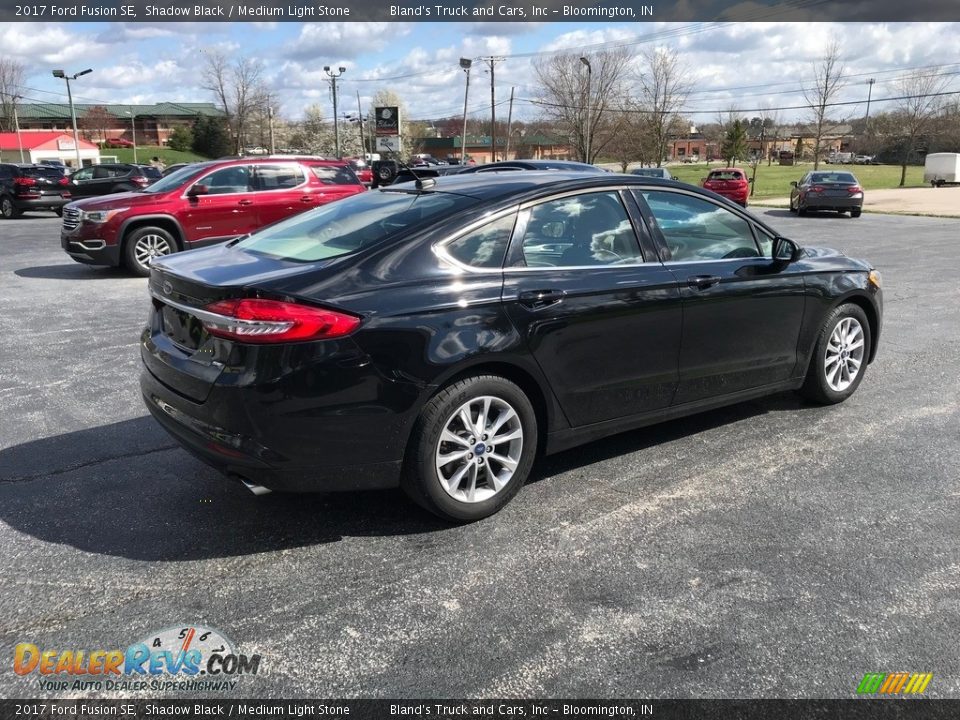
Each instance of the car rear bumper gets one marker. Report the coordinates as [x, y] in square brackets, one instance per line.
[831, 203]
[44, 202]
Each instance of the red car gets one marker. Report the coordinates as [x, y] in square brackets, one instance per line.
[732, 183]
[200, 204]
[362, 169]
[118, 143]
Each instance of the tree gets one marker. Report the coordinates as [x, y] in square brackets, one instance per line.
[95, 123]
[918, 109]
[314, 133]
[820, 91]
[210, 137]
[181, 138]
[565, 101]
[11, 83]
[735, 142]
[663, 92]
[238, 86]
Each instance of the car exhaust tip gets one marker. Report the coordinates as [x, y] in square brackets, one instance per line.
[253, 487]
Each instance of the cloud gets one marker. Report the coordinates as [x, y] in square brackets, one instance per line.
[329, 41]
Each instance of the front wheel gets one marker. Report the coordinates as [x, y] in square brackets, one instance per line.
[144, 244]
[472, 449]
[839, 357]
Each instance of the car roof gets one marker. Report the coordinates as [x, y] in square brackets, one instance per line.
[727, 169]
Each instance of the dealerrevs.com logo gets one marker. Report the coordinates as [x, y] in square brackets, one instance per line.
[184, 658]
[894, 683]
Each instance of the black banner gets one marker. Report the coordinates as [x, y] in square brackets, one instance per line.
[511, 11]
[853, 709]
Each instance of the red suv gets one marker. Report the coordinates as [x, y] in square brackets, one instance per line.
[732, 183]
[198, 205]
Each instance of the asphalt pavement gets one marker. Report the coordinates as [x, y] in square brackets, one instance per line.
[770, 549]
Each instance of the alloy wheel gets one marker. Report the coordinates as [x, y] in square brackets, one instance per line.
[150, 246]
[6, 208]
[843, 356]
[479, 449]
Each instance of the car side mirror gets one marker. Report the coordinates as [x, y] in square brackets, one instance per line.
[786, 250]
[198, 189]
[793, 183]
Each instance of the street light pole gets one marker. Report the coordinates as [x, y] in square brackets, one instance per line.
[360, 120]
[73, 112]
[336, 125]
[587, 129]
[465, 63]
[133, 130]
[16, 125]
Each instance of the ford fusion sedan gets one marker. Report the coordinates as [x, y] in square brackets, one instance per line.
[837, 191]
[442, 335]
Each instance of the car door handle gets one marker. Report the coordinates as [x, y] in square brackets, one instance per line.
[702, 282]
[306, 199]
[536, 299]
[245, 202]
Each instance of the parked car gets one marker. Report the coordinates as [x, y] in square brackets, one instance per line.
[107, 178]
[362, 169]
[199, 204]
[863, 160]
[26, 186]
[439, 338]
[507, 165]
[820, 190]
[118, 143]
[732, 183]
[660, 172]
[170, 169]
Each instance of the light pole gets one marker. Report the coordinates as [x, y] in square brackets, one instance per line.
[465, 63]
[73, 113]
[336, 126]
[587, 129]
[133, 130]
[16, 124]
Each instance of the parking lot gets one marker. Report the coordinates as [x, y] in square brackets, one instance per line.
[770, 549]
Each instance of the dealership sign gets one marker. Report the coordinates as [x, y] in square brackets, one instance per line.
[388, 120]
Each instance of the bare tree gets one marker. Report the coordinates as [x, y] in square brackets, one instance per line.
[95, 123]
[820, 91]
[916, 112]
[11, 82]
[664, 88]
[239, 87]
[576, 102]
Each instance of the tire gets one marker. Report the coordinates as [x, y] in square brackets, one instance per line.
[855, 212]
[58, 211]
[801, 211]
[445, 488]
[846, 330]
[792, 208]
[143, 244]
[8, 210]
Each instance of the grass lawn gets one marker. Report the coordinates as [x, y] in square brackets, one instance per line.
[145, 152]
[774, 181]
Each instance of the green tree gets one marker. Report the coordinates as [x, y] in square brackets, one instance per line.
[181, 138]
[210, 137]
[735, 142]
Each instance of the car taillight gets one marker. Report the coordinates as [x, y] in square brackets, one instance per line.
[854, 189]
[816, 188]
[63, 181]
[140, 180]
[272, 321]
[24, 181]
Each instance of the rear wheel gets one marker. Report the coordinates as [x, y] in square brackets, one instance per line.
[144, 244]
[8, 209]
[472, 449]
[839, 357]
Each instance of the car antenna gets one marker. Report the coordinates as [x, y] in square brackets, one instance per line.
[419, 182]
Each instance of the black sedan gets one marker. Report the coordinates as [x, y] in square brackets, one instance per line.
[442, 335]
[817, 190]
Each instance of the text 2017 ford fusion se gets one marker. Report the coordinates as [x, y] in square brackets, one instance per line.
[440, 337]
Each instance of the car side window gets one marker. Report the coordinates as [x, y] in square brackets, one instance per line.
[278, 177]
[486, 246]
[586, 229]
[765, 241]
[84, 174]
[233, 179]
[696, 229]
[5, 172]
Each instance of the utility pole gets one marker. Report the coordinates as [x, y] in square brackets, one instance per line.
[16, 124]
[133, 131]
[336, 126]
[506, 153]
[465, 63]
[360, 119]
[270, 126]
[492, 61]
[588, 129]
[866, 124]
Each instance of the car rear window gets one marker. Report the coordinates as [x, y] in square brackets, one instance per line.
[49, 173]
[331, 175]
[151, 172]
[725, 175]
[352, 224]
[838, 177]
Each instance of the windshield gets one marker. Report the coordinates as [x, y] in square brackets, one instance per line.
[352, 224]
[175, 179]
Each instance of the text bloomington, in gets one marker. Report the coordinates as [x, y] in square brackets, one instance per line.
[442, 12]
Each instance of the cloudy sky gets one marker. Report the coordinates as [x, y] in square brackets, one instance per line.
[731, 65]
